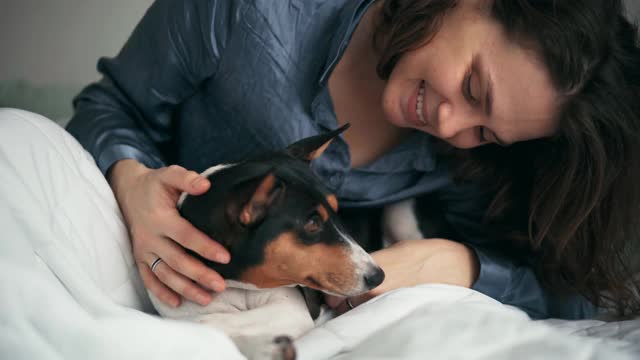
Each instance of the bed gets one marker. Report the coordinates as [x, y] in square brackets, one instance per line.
[43, 320]
[70, 288]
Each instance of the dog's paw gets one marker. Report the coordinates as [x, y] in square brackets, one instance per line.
[284, 348]
[266, 347]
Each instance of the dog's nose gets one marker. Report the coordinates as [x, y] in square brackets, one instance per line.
[374, 278]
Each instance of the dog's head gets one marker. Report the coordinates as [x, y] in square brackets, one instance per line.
[280, 224]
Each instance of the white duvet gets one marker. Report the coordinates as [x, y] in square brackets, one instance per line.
[447, 322]
[70, 290]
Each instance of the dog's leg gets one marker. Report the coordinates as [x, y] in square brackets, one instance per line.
[400, 223]
[266, 347]
[267, 331]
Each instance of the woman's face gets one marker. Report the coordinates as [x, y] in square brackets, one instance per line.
[470, 86]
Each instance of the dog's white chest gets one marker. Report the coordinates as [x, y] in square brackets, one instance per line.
[232, 300]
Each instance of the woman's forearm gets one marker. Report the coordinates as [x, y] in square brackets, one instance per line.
[414, 262]
[441, 261]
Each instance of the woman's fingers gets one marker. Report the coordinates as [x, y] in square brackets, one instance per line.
[341, 305]
[157, 287]
[148, 201]
[178, 228]
[189, 267]
[185, 234]
[177, 177]
[333, 301]
[342, 308]
[179, 274]
[177, 283]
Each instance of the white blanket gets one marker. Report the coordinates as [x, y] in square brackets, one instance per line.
[70, 289]
[448, 322]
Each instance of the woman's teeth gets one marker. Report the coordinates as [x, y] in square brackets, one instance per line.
[420, 103]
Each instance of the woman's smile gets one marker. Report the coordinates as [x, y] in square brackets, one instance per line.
[464, 85]
[416, 109]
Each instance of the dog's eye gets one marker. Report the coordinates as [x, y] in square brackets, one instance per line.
[314, 224]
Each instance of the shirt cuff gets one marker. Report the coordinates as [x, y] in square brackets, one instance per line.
[117, 152]
[494, 277]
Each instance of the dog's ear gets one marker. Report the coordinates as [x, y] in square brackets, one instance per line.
[310, 148]
[266, 194]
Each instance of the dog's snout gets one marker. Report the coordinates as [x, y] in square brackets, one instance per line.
[374, 277]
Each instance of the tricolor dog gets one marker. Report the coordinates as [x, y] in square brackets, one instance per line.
[280, 225]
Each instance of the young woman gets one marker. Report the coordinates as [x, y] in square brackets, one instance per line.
[521, 117]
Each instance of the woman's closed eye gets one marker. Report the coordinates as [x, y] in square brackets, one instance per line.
[471, 94]
[468, 91]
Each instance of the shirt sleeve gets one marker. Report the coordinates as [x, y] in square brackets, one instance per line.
[127, 114]
[504, 275]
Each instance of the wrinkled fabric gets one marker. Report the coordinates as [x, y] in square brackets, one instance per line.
[204, 82]
[70, 287]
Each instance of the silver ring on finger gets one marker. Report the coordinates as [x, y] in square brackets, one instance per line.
[349, 304]
[155, 263]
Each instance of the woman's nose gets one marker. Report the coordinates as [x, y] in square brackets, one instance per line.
[453, 121]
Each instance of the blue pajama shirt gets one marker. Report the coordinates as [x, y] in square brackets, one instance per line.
[203, 82]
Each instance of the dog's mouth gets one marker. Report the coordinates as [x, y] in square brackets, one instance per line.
[328, 287]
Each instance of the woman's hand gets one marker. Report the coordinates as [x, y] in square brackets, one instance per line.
[148, 201]
[414, 262]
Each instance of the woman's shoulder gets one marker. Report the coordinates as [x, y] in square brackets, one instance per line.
[292, 17]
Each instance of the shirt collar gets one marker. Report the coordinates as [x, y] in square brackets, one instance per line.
[348, 20]
[415, 152]
[422, 157]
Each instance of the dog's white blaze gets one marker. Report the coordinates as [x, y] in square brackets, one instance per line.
[240, 285]
[205, 173]
[248, 286]
[361, 259]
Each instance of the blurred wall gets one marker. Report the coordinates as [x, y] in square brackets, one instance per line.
[59, 41]
[633, 7]
[50, 48]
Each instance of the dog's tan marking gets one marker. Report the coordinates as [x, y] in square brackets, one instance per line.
[324, 214]
[317, 152]
[288, 261]
[259, 200]
[333, 202]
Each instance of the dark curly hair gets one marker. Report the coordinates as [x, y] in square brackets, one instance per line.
[573, 200]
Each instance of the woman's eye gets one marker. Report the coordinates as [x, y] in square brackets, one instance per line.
[314, 224]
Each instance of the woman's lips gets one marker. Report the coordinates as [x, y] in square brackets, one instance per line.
[412, 108]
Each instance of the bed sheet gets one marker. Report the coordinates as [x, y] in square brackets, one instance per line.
[448, 322]
[70, 289]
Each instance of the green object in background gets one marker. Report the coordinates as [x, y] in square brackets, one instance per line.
[52, 101]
